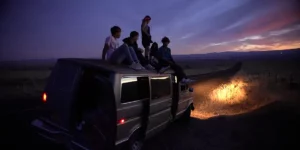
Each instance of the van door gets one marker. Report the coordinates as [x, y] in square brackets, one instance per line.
[95, 106]
[132, 112]
[160, 104]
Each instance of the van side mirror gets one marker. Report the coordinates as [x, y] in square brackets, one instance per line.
[191, 89]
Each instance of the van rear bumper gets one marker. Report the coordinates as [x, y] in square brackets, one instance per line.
[55, 134]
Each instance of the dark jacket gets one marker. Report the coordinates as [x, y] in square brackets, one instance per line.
[165, 53]
[133, 45]
[138, 53]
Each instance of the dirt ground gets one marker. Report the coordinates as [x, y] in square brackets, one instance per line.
[267, 117]
[265, 125]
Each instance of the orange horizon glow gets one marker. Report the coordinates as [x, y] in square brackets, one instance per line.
[273, 47]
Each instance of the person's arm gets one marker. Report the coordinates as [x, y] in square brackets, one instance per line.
[144, 29]
[106, 47]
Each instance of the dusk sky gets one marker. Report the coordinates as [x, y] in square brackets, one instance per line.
[42, 29]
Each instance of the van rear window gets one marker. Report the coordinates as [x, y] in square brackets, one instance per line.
[134, 88]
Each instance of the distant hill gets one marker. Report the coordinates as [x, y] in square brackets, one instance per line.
[28, 64]
[254, 55]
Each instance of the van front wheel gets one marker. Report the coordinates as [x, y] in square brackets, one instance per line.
[187, 115]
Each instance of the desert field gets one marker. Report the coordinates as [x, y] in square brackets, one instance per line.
[259, 105]
[19, 83]
[257, 108]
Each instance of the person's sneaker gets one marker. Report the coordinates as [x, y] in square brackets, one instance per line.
[135, 66]
[162, 70]
[149, 67]
[138, 64]
[186, 81]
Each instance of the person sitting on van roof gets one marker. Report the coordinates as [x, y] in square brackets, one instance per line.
[125, 55]
[166, 61]
[153, 56]
[131, 41]
[111, 42]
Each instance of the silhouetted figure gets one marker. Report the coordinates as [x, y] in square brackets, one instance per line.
[166, 61]
[146, 35]
[120, 55]
[131, 41]
[111, 42]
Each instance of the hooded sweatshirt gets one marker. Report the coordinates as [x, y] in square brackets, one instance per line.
[138, 53]
[133, 45]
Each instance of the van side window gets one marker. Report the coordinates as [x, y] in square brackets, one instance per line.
[160, 87]
[134, 88]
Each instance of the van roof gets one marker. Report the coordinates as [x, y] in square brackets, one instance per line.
[106, 66]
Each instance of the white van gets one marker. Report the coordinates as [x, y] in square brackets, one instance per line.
[91, 104]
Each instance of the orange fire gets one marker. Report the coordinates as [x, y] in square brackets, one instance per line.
[230, 93]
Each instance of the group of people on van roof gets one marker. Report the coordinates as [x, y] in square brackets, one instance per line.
[129, 53]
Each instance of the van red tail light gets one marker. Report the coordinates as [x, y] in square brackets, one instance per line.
[44, 97]
[122, 121]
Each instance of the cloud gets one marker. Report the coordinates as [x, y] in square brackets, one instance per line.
[255, 37]
[285, 31]
[52, 29]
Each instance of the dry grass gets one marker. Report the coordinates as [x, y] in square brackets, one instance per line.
[22, 83]
[256, 85]
[31, 82]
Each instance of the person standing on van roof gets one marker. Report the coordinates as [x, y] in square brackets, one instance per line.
[111, 42]
[131, 41]
[146, 36]
[166, 61]
[125, 54]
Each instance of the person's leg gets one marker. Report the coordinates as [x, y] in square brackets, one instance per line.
[178, 71]
[133, 55]
[147, 50]
[141, 58]
[117, 57]
[146, 45]
[122, 54]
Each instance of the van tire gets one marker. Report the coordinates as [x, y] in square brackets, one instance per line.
[186, 115]
[135, 142]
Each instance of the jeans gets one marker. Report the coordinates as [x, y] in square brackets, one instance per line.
[179, 72]
[124, 54]
[142, 59]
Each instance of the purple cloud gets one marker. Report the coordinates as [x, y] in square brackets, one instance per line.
[38, 29]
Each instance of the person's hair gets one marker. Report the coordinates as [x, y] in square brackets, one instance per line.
[154, 46]
[153, 49]
[165, 40]
[133, 34]
[146, 18]
[114, 30]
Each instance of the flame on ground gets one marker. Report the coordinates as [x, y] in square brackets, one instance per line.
[230, 93]
[225, 99]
